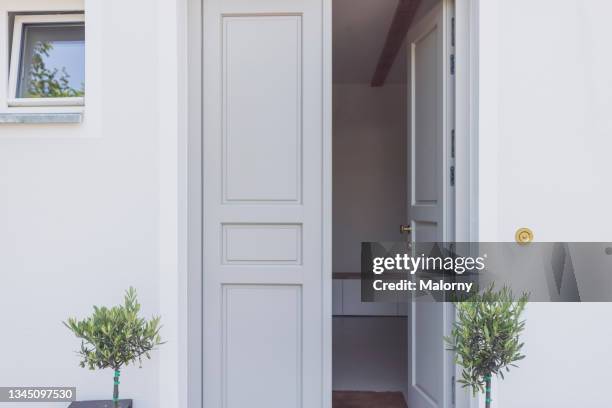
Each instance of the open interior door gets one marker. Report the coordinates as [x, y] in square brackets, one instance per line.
[430, 367]
[265, 322]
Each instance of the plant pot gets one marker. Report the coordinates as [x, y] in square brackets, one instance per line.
[100, 404]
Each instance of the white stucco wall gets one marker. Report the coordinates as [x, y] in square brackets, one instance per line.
[545, 128]
[87, 210]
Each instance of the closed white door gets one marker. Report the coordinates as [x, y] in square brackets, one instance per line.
[430, 366]
[265, 312]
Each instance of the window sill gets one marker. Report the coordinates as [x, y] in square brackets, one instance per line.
[41, 118]
[42, 102]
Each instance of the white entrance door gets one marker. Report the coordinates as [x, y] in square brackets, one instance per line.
[264, 279]
[430, 368]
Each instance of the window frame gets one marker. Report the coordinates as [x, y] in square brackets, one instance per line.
[15, 55]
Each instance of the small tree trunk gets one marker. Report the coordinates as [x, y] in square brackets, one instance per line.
[488, 391]
[116, 388]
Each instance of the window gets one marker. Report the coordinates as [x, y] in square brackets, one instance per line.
[47, 60]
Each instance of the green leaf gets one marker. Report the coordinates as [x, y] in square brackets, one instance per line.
[485, 336]
[117, 336]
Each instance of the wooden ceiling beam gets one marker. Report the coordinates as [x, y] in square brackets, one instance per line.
[404, 14]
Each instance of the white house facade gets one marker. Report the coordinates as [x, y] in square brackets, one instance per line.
[198, 167]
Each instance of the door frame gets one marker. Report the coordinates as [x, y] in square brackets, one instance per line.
[466, 119]
[467, 57]
[194, 53]
[189, 297]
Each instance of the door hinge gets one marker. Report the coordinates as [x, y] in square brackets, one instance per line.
[453, 143]
[452, 176]
[452, 64]
[453, 31]
[453, 390]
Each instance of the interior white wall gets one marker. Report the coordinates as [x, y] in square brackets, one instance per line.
[80, 211]
[360, 29]
[369, 169]
[544, 143]
[370, 353]
[369, 204]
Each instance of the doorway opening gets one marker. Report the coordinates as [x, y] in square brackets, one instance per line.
[393, 170]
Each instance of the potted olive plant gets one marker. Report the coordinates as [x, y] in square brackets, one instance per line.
[113, 338]
[486, 337]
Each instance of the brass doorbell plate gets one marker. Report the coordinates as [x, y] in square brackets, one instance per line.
[523, 236]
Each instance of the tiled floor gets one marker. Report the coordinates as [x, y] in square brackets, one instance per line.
[366, 399]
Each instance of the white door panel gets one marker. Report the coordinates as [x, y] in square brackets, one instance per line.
[430, 368]
[426, 358]
[262, 81]
[263, 178]
[427, 119]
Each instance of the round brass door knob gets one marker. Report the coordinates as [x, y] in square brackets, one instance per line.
[523, 235]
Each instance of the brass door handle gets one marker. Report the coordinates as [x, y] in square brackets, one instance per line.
[405, 229]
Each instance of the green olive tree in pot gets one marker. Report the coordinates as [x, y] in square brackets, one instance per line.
[113, 338]
[486, 337]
